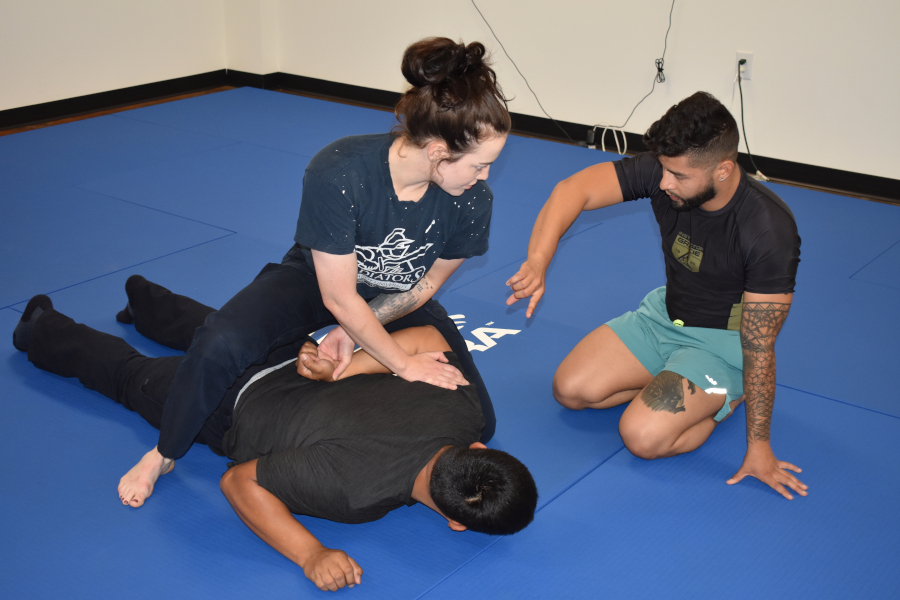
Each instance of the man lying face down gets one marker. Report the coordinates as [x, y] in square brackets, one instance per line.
[350, 450]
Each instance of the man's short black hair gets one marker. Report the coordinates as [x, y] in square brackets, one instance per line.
[699, 127]
[485, 490]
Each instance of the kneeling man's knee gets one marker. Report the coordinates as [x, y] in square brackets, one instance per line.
[642, 441]
[568, 392]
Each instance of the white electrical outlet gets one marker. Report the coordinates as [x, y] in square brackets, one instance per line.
[747, 73]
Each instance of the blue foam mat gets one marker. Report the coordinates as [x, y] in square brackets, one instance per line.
[265, 118]
[54, 236]
[242, 187]
[840, 342]
[673, 529]
[839, 235]
[82, 150]
[202, 158]
[884, 269]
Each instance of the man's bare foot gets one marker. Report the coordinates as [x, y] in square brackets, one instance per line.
[137, 484]
[314, 365]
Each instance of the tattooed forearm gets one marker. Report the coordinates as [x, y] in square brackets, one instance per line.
[390, 307]
[665, 392]
[760, 324]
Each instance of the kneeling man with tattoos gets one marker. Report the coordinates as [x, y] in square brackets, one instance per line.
[350, 450]
[705, 342]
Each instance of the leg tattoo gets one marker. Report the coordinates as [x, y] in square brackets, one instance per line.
[665, 393]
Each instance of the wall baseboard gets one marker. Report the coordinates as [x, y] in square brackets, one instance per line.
[782, 171]
[73, 107]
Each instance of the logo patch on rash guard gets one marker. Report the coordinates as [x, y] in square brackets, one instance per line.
[389, 265]
[687, 253]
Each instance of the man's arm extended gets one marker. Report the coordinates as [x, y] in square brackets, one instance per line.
[761, 320]
[337, 281]
[270, 519]
[590, 189]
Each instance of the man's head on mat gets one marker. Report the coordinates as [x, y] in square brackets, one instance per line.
[455, 111]
[484, 490]
[696, 142]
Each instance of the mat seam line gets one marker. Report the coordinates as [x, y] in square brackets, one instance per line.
[159, 210]
[878, 412]
[124, 269]
[888, 249]
[548, 503]
[562, 239]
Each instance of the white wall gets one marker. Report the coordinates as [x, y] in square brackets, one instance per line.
[824, 92]
[55, 49]
[251, 36]
[824, 89]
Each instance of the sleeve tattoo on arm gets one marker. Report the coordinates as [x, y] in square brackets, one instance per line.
[760, 324]
[390, 307]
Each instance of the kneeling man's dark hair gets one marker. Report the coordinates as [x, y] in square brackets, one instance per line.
[700, 127]
[486, 490]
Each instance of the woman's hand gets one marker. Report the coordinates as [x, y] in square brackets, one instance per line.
[338, 347]
[431, 367]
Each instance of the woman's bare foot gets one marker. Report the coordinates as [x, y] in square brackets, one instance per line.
[313, 365]
[137, 484]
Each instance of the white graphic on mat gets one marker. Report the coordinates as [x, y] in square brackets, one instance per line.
[486, 335]
[389, 265]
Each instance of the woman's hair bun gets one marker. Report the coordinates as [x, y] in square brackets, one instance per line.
[435, 61]
[454, 96]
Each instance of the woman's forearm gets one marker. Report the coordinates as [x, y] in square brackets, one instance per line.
[390, 307]
[364, 327]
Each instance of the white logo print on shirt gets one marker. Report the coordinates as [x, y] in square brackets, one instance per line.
[389, 265]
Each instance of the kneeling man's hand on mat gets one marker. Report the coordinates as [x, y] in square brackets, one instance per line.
[332, 569]
[528, 281]
[760, 462]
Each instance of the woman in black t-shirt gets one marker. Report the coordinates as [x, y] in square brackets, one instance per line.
[385, 220]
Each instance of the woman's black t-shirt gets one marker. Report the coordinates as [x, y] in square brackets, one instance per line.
[349, 205]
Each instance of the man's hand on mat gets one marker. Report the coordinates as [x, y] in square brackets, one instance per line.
[431, 367]
[137, 484]
[528, 281]
[760, 462]
[339, 347]
[332, 569]
[313, 365]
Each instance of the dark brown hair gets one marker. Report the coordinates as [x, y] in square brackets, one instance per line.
[454, 98]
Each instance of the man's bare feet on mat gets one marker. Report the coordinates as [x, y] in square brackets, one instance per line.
[137, 484]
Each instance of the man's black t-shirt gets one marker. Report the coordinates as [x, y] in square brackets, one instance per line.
[349, 205]
[347, 451]
[713, 257]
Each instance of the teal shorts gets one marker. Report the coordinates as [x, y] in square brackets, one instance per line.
[711, 359]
